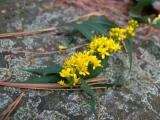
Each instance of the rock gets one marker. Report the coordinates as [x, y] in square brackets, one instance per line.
[156, 5]
[5, 100]
[137, 99]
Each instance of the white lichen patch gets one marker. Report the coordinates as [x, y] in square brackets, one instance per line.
[73, 108]
[39, 93]
[5, 100]
[12, 90]
[29, 42]
[42, 21]
[7, 44]
[52, 115]
[3, 73]
[28, 110]
[103, 114]
[76, 109]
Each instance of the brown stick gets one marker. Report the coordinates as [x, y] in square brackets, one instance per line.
[20, 34]
[6, 113]
[86, 16]
[47, 53]
[30, 86]
[45, 86]
[75, 89]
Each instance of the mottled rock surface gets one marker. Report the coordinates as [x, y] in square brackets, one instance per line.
[137, 99]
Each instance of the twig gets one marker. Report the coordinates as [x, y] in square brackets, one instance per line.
[5, 114]
[53, 86]
[20, 34]
[101, 13]
[47, 53]
[30, 86]
[76, 89]
[41, 86]
[95, 83]
[97, 79]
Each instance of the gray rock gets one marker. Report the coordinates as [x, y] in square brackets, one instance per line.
[137, 99]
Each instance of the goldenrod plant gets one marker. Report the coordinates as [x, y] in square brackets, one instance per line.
[99, 48]
[81, 66]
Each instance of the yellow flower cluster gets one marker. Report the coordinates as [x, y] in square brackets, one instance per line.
[133, 23]
[61, 82]
[118, 33]
[104, 46]
[124, 33]
[77, 65]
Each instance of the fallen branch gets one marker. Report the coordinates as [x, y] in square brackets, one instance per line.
[47, 53]
[6, 113]
[50, 86]
[30, 86]
[20, 34]
[86, 16]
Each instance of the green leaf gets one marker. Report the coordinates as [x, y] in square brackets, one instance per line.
[156, 22]
[90, 92]
[44, 79]
[104, 62]
[143, 18]
[45, 70]
[98, 70]
[94, 73]
[103, 21]
[107, 85]
[94, 25]
[85, 30]
[136, 11]
[157, 25]
[128, 44]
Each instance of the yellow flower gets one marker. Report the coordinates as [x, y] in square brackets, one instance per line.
[96, 42]
[104, 46]
[61, 47]
[83, 70]
[66, 72]
[78, 64]
[96, 63]
[103, 52]
[61, 82]
[130, 31]
[117, 47]
[75, 80]
[123, 33]
[118, 33]
[133, 23]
